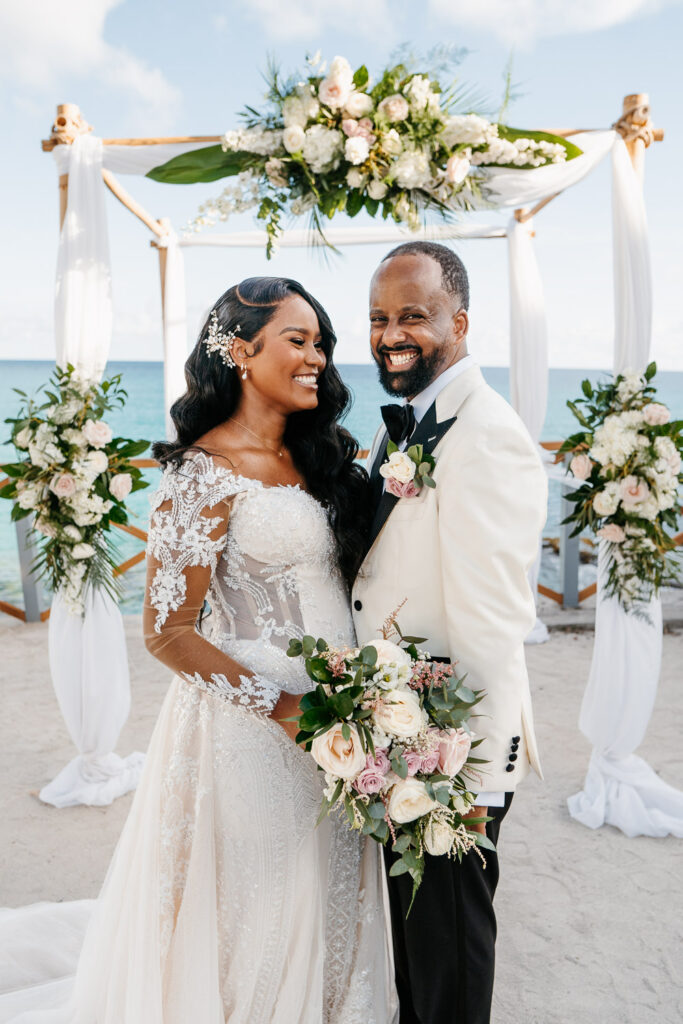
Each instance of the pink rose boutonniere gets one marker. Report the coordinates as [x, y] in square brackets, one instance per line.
[406, 473]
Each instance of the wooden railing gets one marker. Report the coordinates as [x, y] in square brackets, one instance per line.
[134, 531]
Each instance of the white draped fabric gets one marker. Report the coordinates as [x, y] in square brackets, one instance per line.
[88, 659]
[620, 788]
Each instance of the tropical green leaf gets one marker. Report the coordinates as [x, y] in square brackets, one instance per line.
[206, 164]
[505, 132]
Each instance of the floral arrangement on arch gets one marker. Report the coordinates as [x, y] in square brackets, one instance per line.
[74, 477]
[390, 730]
[627, 457]
[333, 140]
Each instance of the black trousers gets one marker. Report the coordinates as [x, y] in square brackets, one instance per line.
[445, 952]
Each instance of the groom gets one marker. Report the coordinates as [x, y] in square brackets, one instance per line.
[460, 554]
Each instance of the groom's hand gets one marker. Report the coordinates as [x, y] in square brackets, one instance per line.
[477, 812]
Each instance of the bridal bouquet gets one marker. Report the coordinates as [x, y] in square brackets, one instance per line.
[627, 457]
[74, 476]
[333, 140]
[390, 730]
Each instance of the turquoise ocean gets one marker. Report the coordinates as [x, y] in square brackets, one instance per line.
[143, 417]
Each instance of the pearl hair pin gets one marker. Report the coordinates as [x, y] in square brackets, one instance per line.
[216, 341]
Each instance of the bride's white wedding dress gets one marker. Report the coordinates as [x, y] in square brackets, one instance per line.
[223, 902]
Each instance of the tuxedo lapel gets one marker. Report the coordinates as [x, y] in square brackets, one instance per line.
[428, 433]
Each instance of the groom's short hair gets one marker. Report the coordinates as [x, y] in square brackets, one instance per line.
[453, 274]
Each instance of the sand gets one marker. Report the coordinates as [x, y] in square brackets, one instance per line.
[590, 923]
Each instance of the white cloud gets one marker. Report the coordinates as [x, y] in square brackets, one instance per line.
[519, 22]
[306, 19]
[44, 44]
[524, 21]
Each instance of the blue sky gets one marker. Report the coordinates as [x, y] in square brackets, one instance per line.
[143, 67]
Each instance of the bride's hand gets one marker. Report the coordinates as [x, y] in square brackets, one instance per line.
[286, 707]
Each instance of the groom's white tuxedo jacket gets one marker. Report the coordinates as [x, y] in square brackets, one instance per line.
[460, 554]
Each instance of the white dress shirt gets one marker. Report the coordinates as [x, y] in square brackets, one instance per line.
[421, 404]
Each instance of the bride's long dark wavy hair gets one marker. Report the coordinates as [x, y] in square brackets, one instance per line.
[322, 450]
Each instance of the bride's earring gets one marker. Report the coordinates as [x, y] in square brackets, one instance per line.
[244, 371]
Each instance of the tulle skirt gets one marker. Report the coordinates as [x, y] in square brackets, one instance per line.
[223, 901]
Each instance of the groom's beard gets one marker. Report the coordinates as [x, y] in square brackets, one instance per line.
[408, 383]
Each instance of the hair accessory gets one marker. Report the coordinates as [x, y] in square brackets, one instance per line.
[216, 341]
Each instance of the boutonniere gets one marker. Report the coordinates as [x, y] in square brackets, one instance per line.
[406, 473]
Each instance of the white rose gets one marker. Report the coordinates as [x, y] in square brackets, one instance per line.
[399, 713]
[355, 178]
[74, 436]
[358, 104]
[82, 551]
[45, 527]
[335, 90]
[23, 438]
[91, 465]
[399, 467]
[655, 414]
[633, 491]
[581, 467]
[409, 800]
[394, 108]
[388, 653]
[357, 149]
[97, 433]
[418, 90]
[293, 138]
[63, 485]
[457, 168]
[391, 143]
[121, 485]
[340, 757]
[72, 532]
[438, 837]
[377, 189]
[469, 129]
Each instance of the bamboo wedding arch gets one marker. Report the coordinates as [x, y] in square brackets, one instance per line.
[634, 125]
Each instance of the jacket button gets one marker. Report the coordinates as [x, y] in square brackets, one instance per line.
[513, 757]
[515, 739]
[509, 768]
[357, 605]
[515, 746]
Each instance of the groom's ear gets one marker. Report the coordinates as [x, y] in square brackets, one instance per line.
[461, 325]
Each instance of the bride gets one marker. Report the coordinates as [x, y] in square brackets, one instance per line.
[224, 902]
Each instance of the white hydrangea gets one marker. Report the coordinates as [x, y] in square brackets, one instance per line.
[263, 141]
[356, 149]
[322, 147]
[411, 169]
[29, 495]
[391, 143]
[615, 441]
[468, 129]
[294, 113]
[23, 437]
[420, 94]
[630, 385]
[75, 437]
[606, 502]
[65, 413]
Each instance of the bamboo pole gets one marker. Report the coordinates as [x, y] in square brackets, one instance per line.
[49, 144]
[637, 130]
[117, 189]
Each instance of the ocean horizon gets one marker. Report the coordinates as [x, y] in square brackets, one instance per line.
[143, 417]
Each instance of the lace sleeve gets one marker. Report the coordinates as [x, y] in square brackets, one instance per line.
[187, 535]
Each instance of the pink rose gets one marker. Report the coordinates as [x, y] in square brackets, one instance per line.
[633, 491]
[97, 433]
[349, 126]
[655, 414]
[371, 779]
[413, 760]
[394, 108]
[581, 466]
[365, 127]
[63, 485]
[453, 750]
[457, 168]
[613, 533]
[401, 490]
[121, 485]
[430, 762]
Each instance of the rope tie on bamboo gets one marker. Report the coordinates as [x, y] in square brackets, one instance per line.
[635, 123]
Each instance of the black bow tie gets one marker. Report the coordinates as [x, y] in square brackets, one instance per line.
[399, 421]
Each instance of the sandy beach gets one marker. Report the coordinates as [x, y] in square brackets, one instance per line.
[590, 923]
